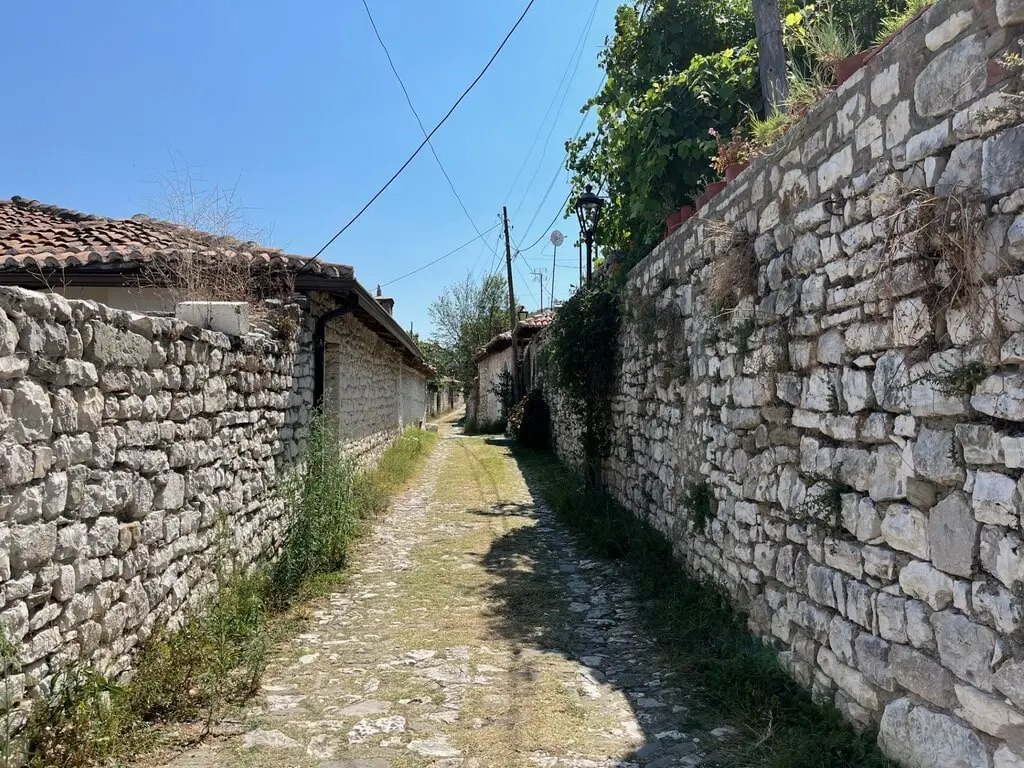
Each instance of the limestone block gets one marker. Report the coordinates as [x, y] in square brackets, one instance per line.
[34, 413]
[818, 392]
[1001, 395]
[929, 142]
[953, 535]
[995, 498]
[114, 347]
[920, 738]
[845, 556]
[860, 517]
[892, 620]
[928, 398]
[965, 648]
[952, 78]
[857, 392]
[76, 373]
[1009, 302]
[31, 546]
[996, 606]
[1009, 680]
[905, 528]
[935, 458]
[835, 169]
[860, 600]
[849, 680]
[897, 125]
[988, 714]
[893, 468]
[831, 347]
[1002, 164]
[948, 30]
[1007, 758]
[1002, 555]
[891, 382]
[885, 86]
[1013, 451]
[980, 442]
[90, 409]
[963, 171]
[922, 581]
[1009, 12]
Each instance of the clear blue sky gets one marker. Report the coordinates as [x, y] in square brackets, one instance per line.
[297, 101]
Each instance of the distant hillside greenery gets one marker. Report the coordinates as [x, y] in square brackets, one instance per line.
[675, 69]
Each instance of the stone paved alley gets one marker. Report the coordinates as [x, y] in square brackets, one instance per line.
[472, 632]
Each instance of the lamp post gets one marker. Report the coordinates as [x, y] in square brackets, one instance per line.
[588, 211]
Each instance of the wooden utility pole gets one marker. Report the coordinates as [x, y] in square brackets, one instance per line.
[771, 55]
[513, 315]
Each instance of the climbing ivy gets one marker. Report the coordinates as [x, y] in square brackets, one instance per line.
[581, 357]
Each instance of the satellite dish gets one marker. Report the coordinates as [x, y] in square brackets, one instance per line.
[557, 238]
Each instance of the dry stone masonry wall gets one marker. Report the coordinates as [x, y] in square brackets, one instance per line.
[834, 347]
[139, 453]
[134, 449]
[375, 395]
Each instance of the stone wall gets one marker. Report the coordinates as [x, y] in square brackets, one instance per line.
[851, 390]
[490, 371]
[137, 451]
[125, 440]
[372, 394]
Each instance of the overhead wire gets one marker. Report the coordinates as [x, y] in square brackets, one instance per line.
[419, 120]
[425, 141]
[573, 64]
[441, 258]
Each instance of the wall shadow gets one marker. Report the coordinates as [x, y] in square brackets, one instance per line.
[550, 596]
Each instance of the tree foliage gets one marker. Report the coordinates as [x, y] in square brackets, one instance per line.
[676, 68]
[465, 317]
[683, 67]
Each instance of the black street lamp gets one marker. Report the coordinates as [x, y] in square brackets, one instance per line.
[588, 211]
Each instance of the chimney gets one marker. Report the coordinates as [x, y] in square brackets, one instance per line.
[385, 301]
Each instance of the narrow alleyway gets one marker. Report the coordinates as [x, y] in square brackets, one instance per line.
[472, 633]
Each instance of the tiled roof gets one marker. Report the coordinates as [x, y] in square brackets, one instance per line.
[538, 321]
[34, 235]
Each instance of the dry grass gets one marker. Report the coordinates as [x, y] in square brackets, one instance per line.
[733, 268]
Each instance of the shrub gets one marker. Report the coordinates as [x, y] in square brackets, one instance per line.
[529, 423]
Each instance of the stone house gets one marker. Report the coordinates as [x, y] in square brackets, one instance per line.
[494, 365]
[368, 373]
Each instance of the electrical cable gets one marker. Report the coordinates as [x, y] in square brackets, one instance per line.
[440, 258]
[416, 114]
[425, 141]
[576, 56]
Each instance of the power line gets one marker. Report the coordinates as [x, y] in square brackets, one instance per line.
[416, 114]
[426, 140]
[576, 55]
[441, 258]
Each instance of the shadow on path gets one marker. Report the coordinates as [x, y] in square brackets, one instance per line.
[549, 597]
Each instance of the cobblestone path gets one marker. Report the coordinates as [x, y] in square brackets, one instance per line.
[472, 632]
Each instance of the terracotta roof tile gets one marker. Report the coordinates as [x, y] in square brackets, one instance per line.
[34, 235]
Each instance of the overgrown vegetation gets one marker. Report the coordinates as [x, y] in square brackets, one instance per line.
[581, 358]
[741, 681]
[465, 317]
[699, 504]
[677, 68]
[960, 380]
[896, 18]
[529, 423]
[214, 661]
